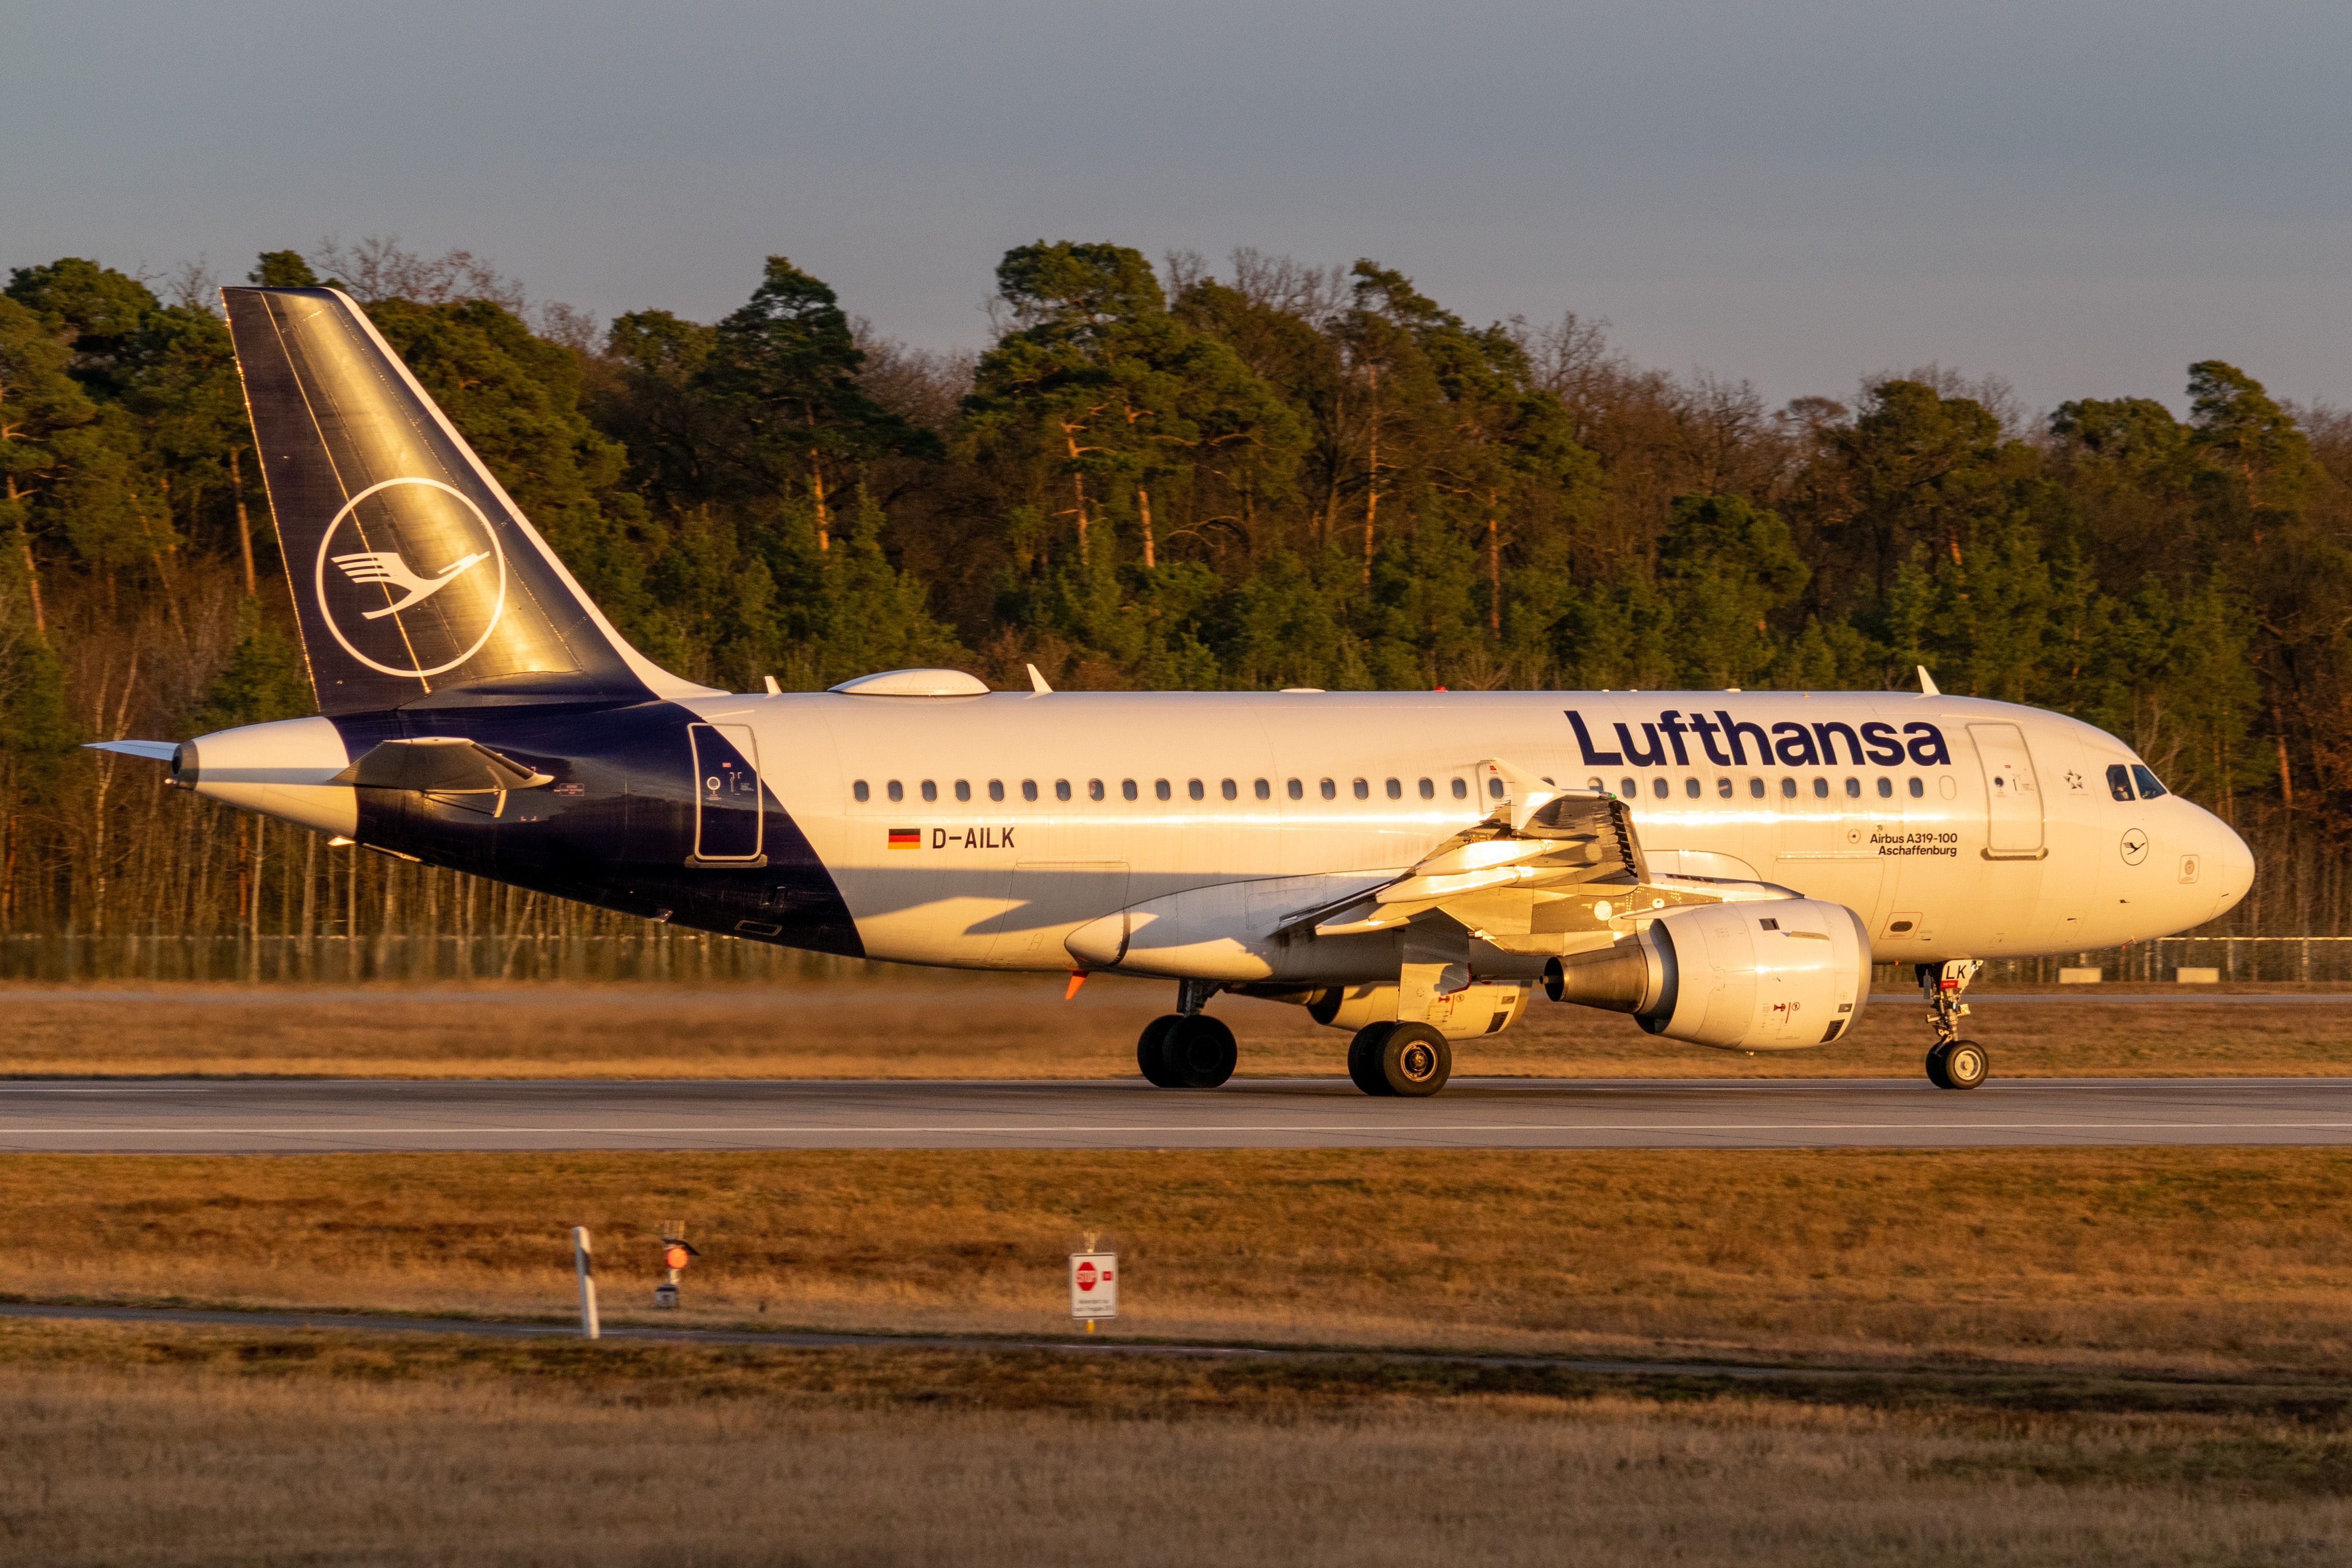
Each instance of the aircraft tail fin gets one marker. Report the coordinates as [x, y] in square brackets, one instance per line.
[414, 575]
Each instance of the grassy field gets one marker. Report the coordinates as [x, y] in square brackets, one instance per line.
[125, 1446]
[2222, 1261]
[988, 1027]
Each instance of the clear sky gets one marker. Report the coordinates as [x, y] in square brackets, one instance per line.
[2079, 197]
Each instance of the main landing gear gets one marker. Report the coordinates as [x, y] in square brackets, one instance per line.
[1952, 1063]
[1187, 1049]
[1408, 1058]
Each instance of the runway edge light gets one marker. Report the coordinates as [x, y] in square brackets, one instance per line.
[676, 1253]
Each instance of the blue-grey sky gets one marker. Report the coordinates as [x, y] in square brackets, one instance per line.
[2079, 197]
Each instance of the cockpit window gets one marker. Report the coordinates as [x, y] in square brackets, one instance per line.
[2149, 787]
[2119, 781]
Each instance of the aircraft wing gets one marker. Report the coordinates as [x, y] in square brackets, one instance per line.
[1548, 865]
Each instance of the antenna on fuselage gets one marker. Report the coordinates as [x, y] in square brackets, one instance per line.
[1927, 684]
[1037, 683]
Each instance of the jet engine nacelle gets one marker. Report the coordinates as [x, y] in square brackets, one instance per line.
[1770, 975]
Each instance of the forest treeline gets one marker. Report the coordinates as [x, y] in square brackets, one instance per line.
[1154, 476]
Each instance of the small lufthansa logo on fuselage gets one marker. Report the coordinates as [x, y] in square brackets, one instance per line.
[410, 577]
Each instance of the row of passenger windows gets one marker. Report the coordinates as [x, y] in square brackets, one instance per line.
[1194, 788]
[1664, 789]
[1394, 789]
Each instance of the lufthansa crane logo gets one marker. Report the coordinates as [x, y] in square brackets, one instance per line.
[385, 566]
[410, 577]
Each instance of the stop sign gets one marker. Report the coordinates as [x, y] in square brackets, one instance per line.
[1094, 1285]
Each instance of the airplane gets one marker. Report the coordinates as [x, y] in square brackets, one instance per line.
[1724, 866]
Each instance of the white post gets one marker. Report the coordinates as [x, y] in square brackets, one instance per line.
[583, 1262]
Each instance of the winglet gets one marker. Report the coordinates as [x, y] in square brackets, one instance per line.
[1037, 683]
[1927, 684]
[1528, 793]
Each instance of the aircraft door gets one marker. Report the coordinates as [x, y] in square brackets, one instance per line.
[727, 810]
[2012, 793]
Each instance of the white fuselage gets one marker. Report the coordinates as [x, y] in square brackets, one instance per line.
[1020, 818]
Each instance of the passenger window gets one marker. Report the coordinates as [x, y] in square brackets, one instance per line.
[860, 791]
[1093, 789]
[1630, 788]
[1821, 788]
[1127, 788]
[963, 789]
[996, 789]
[1428, 789]
[1299, 789]
[930, 790]
[896, 790]
[1363, 791]
[1787, 788]
[1690, 788]
[1265, 790]
[1723, 787]
[1230, 790]
[1396, 790]
[1061, 789]
[1917, 788]
[1493, 789]
[1160, 787]
[2119, 781]
[1659, 788]
[1756, 788]
[1330, 790]
[2149, 787]
[1029, 790]
[1462, 788]
[1195, 791]
[1854, 788]
[1886, 787]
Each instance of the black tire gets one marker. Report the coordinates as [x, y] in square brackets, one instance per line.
[1152, 1051]
[1364, 1058]
[1199, 1051]
[1416, 1059]
[1965, 1065]
[1936, 1074]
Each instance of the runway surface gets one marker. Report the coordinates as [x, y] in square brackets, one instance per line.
[215, 1116]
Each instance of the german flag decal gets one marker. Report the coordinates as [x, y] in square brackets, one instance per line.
[905, 838]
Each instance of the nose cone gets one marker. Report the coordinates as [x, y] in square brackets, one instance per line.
[2232, 864]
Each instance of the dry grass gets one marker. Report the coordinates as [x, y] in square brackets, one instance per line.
[2203, 1260]
[990, 1028]
[124, 1447]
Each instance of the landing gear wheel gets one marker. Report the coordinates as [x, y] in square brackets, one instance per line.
[1364, 1058]
[1958, 1064]
[1197, 1052]
[1408, 1058]
[1152, 1051]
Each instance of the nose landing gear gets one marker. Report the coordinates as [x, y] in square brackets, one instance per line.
[1952, 1063]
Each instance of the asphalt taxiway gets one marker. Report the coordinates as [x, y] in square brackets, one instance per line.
[310, 1116]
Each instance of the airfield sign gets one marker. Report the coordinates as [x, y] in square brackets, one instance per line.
[1094, 1285]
